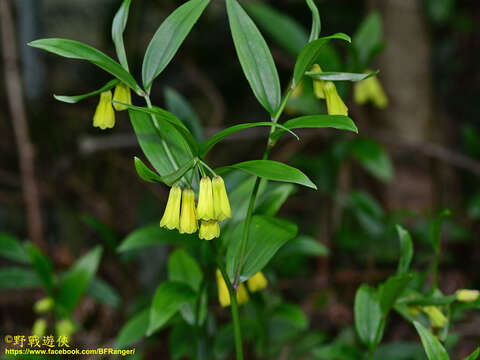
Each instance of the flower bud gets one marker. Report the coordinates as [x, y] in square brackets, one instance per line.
[437, 319]
[257, 282]
[335, 104]
[465, 295]
[205, 209]
[188, 218]
[122, 94]
[39, 327]
[104, 117]
[209, 230]
[221, 204]
[64, 327]
[43, 305]
[171, 217]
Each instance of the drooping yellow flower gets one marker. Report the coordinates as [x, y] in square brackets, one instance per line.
[104, 117]
[335, 104]
[437, 319]
[188, 219]
[224, 296]
[221, 204]
[171, 217]
[64, 327]
[43, 305]
[318, 84]
[209, 229]
[39, 327]
[205, 209]
[466, 295]
[257, 282]
[122, 94]
[370, 90]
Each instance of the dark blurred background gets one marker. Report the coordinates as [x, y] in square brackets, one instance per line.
[419, 155]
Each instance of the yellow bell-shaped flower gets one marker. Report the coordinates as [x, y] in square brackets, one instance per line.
[205, 209]
[466, 295]
[370, 90]
[209, 229]
[171, 216]
[122, 94]
[188, 219]
[437, 319]
[104, 117]
[43, 305]
[64, 327]
[318, 84]
[257, 282]
[223, 294]
[335, 104]
[39, 327]
[221, 204]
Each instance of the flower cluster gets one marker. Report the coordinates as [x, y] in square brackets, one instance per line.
[257, 282]
[328, 91]
[213, 206]
[104, 117]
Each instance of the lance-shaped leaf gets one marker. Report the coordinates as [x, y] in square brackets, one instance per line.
[255, 57]
[11, 248]
[118, 27]
[309, 55]
[433, 348]
[219, 136]
[339, 122]
[148, 175]
[42, 266]
[77, 50]
[316, 23]
[168, 38]
[340, 76]
[272, 170]
[406, 246]
[76, 98]
[134, 329]
[368, 315]
[17, 278]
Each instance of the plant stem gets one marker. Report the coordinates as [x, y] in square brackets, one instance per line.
[207, 167]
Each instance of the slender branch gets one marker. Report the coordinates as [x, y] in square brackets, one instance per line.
[20, 126]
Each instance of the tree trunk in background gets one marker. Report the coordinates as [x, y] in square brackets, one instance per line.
[405, 73]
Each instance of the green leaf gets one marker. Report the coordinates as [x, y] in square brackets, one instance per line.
[303, 245]
[42, 266]
[76, 98]
[291, 314]
[106, 233]
[368, 38]
[474, 355]
[148, 175]
[255, 57]
[435, 228]
[282, 28]
[183, 268]
[338, 122]
[373, 157]
[391, 290]
[340, 76]
[272, 199]
[76, 280]
[118, 27]
[16, 278]
[135, 328]
[152, 235]
[168, 298]
[267, 235]
[316, 23]
[433, 348]
[180, 107]
[166, 150]
[272, 170]
[103, 292]
[76, 50]
[368, 315]
[12, 249]
[162, 116]
[168, 38]
[208, 144]
[309, 55]
[406, 246]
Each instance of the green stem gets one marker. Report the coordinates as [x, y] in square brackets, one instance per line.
[207, 167]
[436, 264]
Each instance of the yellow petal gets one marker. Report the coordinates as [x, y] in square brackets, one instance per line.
[318, 84]
[223, 295]
[205, 200]
[171, 217]
[335, 104]
[221, 204]
[188, 218]
[242, 295]
[122, 94]
[104, 117]
[209, 230]
[465, 295]
[257, 282]
[437, 319]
